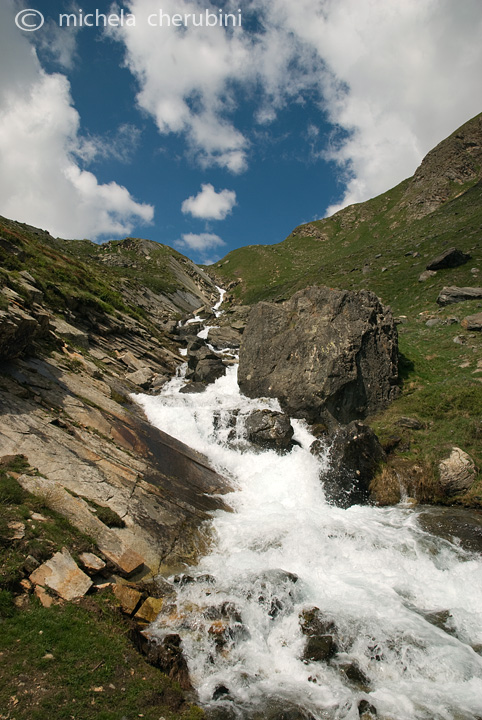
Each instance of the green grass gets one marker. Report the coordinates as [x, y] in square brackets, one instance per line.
[394, 249]
[71, 660]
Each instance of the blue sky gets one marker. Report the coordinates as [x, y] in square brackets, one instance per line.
[210, 138]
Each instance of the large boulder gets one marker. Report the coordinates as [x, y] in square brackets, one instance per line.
[354, 459]
[453, 294]
[449, 258]
[327, 355]
[457, 472]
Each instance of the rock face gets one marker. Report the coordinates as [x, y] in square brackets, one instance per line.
[452, 294]
[326, 354]
[269, 429]
[457, 472]
[450, 258]
[355, 456]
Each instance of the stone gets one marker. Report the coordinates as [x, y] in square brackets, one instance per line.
[128, 597]
[193, 387]
[206, 371]
[62, 574]
[132, 361]
[127, 562]
[449, 258]
[433, 321]
[16, 530]
[321, 634]
[70, 333]
[269, 429]
[453, 294]
[457, 472]
[473, 322]
[354, 458]
[165, 654]
[142, 377]
[426, 275]
[91, 563]
[149, 610]
[45, 599]
[224, 337]
[327, 355]
[411, 423]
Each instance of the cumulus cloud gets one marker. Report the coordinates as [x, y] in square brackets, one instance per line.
[42, 181]
[201, 246]
[208, 204]
[394, 77]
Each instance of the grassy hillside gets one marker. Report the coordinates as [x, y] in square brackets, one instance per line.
[384, 245]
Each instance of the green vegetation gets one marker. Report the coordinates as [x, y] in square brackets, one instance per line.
[72, 660]
[380, 246]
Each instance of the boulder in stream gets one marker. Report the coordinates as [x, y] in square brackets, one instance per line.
[269, 429]
[327, 355]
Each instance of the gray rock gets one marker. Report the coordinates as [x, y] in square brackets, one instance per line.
[355, 456]
[453, 294]
[432, 322]
[206, 370]
[426, 275]
[224, 337]
[70, 333]
[142, 377]
[321, 635]
[19, 330]
[325, 354]
[457, 472]
[473, 322]
[411, 423]
[269, 429]
[450, 258]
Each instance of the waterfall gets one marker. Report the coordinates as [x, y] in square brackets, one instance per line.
[403, 608]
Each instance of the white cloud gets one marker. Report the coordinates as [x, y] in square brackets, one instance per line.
[201, 242]
[41, 181]
[199, 246]
[395, 77]
[210, 205]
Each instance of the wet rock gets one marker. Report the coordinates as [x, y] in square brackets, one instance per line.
[325, 354]
[473, 322]
[193, 387]
[206, 371]
[459, 525]
[269, 429]
[149, 610]
[62, 574]
[321, 633]
[353, 672]
[366, 710]
[221, 692]
[453, 294]
[165, 654]
[224, 337]
[450, 258]
[457, 472]
[355, 456]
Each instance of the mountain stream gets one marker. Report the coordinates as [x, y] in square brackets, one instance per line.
[398, 610]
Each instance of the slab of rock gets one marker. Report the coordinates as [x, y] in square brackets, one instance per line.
[91, 563]
[327, 355]
[128, 597]
[355, 456]
[269, 429]
[453, 294]
[457, 472]
[149, 610]
[224, 337]
[142, 377]
[450, 258]
[62, 574]
[473, 322]
[426, 275]
[128, 562]
[206, 371]
[70, 333]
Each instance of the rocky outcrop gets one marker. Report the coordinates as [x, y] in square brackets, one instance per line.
[204, 366]
[473, 322]
[457, 472]
[452, 294]
[450, 258]
[325, 354]
[354, 458]
[269, 429]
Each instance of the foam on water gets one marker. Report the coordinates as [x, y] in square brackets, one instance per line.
[373, 571]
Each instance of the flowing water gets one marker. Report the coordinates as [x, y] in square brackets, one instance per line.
[405, 607]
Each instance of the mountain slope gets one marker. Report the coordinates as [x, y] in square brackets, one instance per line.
[384, 245]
